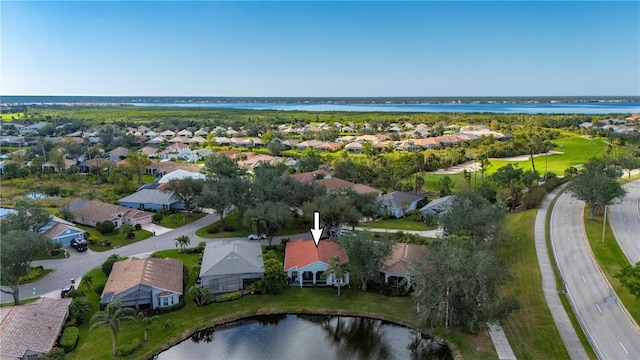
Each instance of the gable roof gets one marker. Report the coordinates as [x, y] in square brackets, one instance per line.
[438, 205]
[403, 256]
[399, 199]
[235, 257]
[181, 174]
[119, 151]
[337, 183]
[150, 196]
[97, 210]
[301, 253]
[58, 229]
[165, 274]
[33, 326]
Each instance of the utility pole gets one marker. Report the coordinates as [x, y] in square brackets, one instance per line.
[604, 223]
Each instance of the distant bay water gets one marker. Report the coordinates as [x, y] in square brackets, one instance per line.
[568, 105]
[547, 108]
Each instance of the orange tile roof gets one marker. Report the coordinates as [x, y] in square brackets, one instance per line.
[301, 253]
[308, 176]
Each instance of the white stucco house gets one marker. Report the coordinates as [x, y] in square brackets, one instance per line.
[305, 263]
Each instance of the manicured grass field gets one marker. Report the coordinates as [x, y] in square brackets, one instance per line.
[610, 259]
[406, 223]
[531, 330]
[576, 151]
[174, 221]
[8, 117]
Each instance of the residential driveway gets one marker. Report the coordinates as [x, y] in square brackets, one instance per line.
[156, 229]
[426, 233]
[610, 329]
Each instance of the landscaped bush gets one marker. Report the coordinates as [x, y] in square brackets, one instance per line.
[157, 217]
[99, 288]
[105, 227]
[33, 274]
[228, 228]
[107, 266]
[138, 227]
[164, 310]
[69, 338]
[213, 228]
[229, 296]
[130, 348]
[75, 293]
[55, 354]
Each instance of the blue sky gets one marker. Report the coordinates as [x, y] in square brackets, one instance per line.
[320, 48]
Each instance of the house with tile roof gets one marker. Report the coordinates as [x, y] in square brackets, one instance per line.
[399, 267]
[90, 212]
[397, 203]
[310, 176]
[165, 167]
[334, 184]
[304, 262]
[61, 231]
[118, 153]
[31, 330]
[231, 265]
[147, 283]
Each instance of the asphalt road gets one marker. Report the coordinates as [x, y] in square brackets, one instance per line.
[79, 264]
[613, 333]
[625, 222]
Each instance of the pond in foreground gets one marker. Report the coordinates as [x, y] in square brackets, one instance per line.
[307, 337]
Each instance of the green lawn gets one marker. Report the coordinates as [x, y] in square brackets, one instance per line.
[235, 220]
[190, 319]
[406, 223]
[8, 117]
[531, 330]
[115, 239]
[610, 259]
[174, 221]
[576, 151]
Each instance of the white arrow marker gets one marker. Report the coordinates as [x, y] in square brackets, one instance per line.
[316, 231]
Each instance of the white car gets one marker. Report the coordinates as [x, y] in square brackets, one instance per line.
[256, 237]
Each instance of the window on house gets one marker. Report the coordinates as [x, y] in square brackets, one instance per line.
[165, 301]
[32, 357]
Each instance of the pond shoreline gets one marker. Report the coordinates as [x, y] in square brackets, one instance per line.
[240, 315]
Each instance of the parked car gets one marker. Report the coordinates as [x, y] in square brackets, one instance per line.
[341, 232]
[66, 289]
[79, 244]
[256, 237]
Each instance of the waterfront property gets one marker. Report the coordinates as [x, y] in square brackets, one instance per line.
[398, 267]
[231, 266]
[151, 283]
[305, 263]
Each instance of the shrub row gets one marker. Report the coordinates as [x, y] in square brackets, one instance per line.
[33, 274]
[216, 228]
[69, 338]
[129, 348]
[533, 198]
[164, 310]
[229, 296]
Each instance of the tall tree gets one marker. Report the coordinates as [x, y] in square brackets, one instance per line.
[138, 163]
[274, 280]
[274, 216]
[18, 248]
[366, 256]
[183, 241]
[459, 286]
[334, 211]
[596, 189]
[186, 190]
[111, 317]
[27, 216]
[221, 166]
[629, 276]
[472, 215]
[630, 163]
[218, 195]
[338, 270]
[146, 322]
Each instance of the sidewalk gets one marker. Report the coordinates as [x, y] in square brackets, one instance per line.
[549, 287]
[500, 342]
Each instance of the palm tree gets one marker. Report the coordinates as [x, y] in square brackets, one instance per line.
[183, 241]
[111, 317]
[338, 269]
[87, 281]
[146, 322]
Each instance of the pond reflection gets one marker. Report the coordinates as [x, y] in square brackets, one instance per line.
[308, 337]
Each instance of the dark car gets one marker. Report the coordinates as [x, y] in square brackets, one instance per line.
[66, 289]
[79, 244]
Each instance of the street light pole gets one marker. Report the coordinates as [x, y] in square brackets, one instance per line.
[604, 223]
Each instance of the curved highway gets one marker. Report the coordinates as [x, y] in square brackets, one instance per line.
[613, 334]
[624, 219]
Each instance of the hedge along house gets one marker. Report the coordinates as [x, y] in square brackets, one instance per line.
[148, 283]
[305, 263]
[231, 266]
